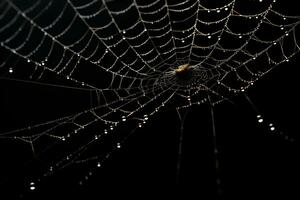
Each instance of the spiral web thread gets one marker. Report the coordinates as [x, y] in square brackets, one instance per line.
[126, 53]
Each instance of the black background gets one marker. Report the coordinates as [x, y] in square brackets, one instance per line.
[254, 161]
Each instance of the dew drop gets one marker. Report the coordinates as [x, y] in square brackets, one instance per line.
[32, 186]
[118, 145]
[145, 117]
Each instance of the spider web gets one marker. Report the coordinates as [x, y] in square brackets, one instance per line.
[127, 55]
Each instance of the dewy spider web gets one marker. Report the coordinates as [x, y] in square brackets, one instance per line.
[136, 58]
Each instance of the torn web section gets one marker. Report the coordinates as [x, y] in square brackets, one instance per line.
[132, 113]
